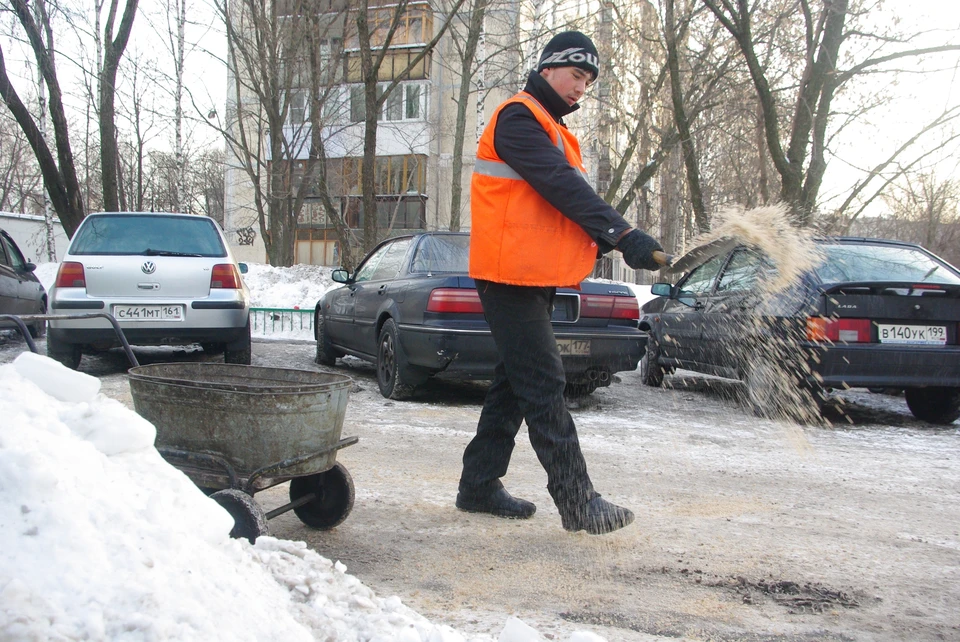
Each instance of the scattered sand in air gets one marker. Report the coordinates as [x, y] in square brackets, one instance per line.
[768, 228]
[773, 390]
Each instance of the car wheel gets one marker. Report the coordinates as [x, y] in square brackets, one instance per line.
[39, 327]
[68, 354]
[390, 362]
[326, 355]
[240, 351]
[579, 389]
[333, 492]
[934, 405]
[212, 348]
[651, 372]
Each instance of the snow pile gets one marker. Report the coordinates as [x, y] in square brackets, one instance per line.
[296, 287]
[101, 539]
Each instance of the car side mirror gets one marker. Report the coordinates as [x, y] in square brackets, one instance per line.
[687, 298]
[243, 268]
[661, 289]
[29, 267]
[340, 276]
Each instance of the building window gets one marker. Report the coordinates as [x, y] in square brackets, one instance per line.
[407, 101]
[415, 27]
[298, 110]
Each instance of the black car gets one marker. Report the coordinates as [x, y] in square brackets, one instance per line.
[411, 309]
[872, 313]
[21, 292]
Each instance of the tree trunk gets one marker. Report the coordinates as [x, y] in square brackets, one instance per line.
[60, 174]
[683, 125]
[108, 80]
[474, 33]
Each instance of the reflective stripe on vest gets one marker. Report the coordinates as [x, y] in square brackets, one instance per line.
[499, 169]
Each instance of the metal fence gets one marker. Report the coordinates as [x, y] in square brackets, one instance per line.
[267, 321]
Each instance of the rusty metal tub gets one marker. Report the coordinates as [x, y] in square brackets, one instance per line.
[240, 429]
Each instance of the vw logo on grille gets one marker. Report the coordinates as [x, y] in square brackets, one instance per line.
[148, 267]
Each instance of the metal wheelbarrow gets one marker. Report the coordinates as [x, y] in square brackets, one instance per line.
[235, 430]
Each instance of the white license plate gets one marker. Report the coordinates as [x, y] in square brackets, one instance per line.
[148, 312]
[574, 347]
[927, 335]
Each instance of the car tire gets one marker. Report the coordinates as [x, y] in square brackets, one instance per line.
[934, 405]
[651, 372]
[574, 390]
[239, 352]
[69, 354]
[326, 355]
[212, 348]
[39, 327]
[390, 364]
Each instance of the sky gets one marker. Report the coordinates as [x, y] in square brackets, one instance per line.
[101, 539]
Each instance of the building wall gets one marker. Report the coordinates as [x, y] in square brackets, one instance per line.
[30, 234]
[513, 55]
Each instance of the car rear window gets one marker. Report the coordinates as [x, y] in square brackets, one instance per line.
[847, 262]
[148, 235]
[442, 254]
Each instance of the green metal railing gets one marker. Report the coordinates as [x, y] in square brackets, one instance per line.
[266, 321]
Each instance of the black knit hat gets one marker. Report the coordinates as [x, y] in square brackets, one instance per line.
[570, 49]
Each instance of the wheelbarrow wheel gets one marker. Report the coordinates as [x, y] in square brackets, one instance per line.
[249, 520]
[334, 497]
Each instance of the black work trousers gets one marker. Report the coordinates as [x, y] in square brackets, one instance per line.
[528, 385]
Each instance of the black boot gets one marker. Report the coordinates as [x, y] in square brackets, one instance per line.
[597, 517]
[498, 502]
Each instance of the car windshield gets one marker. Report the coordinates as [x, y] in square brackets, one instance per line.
[442, 253]
[149, 236]
[846, 262]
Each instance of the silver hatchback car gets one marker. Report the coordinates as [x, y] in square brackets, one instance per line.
[168, 279]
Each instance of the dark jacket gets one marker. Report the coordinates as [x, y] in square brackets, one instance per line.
[524, 145]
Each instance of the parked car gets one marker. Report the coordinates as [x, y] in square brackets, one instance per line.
[21, 292]
[168, 279]
[411, 309]
[873, 314]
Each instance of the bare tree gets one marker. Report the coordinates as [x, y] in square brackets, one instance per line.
[115, 43]
[281, 83]
[59, 172]
[799, 153]
[374, 43]
[468, 66]
[21, 186]
[926, 210]
[208, 175]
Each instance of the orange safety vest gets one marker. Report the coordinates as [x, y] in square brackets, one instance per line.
[516, 236]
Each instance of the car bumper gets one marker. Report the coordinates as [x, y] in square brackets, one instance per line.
[220, 318]
[873, 365]
[471, 353]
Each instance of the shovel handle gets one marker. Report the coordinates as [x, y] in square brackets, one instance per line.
[663, 258]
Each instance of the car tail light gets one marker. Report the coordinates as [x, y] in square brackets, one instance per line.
[609, 307]
[70, 275]
[454, 300]
[225, 276]
[838, 330]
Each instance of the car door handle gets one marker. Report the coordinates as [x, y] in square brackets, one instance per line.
[382, 290]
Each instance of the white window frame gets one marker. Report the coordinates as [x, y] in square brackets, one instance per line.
[402, 93]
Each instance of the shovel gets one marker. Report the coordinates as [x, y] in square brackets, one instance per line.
[697, 255]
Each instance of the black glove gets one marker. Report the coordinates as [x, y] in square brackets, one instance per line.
[638, 249]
